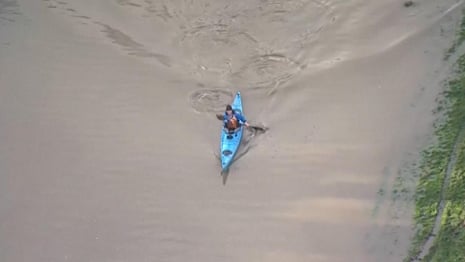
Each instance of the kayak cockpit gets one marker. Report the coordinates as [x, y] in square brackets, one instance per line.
[227, 152]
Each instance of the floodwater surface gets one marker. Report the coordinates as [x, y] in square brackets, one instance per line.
[109, 139]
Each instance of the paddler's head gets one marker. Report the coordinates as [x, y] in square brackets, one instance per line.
[229, 110]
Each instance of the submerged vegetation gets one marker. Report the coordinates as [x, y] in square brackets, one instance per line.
[459, 40]
[440, 193]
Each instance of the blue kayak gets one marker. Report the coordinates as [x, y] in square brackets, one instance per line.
[230, 141]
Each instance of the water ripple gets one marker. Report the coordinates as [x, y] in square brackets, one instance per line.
[210, 100]
[267, 70]
[8, 9]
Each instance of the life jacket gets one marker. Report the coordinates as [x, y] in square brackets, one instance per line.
[232, 123]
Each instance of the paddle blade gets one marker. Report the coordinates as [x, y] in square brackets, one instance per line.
[220, 116]
[258, 128]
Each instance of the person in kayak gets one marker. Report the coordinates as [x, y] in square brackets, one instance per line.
[233, 120]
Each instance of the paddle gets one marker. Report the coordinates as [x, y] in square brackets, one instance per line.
[259, 128]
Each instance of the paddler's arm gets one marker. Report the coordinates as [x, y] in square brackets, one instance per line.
[243, 120]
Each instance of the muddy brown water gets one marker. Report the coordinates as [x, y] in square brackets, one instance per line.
[109, 138]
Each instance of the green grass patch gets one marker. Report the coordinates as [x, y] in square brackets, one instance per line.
[449, 244]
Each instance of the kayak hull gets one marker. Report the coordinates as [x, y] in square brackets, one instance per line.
[230, 141]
